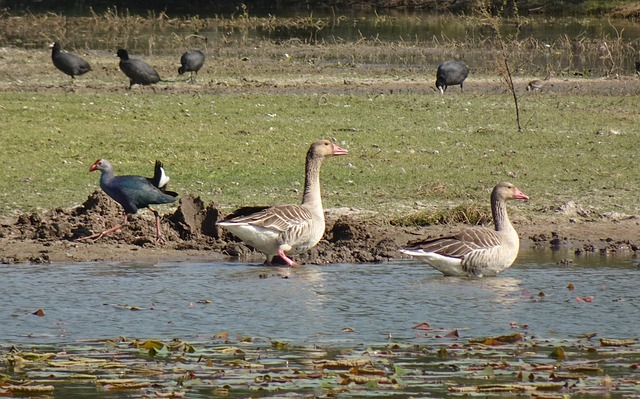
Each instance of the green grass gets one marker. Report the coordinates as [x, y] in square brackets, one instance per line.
[241, 149]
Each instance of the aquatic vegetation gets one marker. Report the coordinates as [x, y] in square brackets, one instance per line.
[435, 363]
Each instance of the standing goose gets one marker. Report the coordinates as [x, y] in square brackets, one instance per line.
[133, 193]
[68, 63]
[281, 229]
[138, 71]
[451, 73]
[478, 251]
[191, 61]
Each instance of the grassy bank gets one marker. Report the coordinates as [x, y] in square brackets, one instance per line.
[241, 149]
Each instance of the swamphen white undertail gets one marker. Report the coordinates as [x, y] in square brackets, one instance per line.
[133, 193]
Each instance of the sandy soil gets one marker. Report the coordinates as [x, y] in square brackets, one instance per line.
[191, 234]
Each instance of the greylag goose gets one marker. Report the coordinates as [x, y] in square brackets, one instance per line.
[283, 229]
[478, 251]
[537, 84]
[451, 73]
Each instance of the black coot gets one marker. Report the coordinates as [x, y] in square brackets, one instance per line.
[451, 73]
[68, 63]
[192, 61]
[138, 71]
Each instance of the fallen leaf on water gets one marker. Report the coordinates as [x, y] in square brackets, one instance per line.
[348, 330]
[39, 313]
[422, 326]
[500, 340]
[363, 379]
[442, 352]
[453, 333]
[151, 344]
[366, 370]
[525, 294]
[570, 287]
[558, 354]
[584, 299]
[491, 388]
[617, 342]
[345, 363]
[221, 335]
[172, 394]
[26, 389]
[606, 381]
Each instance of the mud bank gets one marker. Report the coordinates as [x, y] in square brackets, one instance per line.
[191, 234]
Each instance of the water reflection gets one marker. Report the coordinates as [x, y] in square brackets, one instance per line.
[316, 303]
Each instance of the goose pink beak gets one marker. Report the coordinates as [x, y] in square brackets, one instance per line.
[520, 195]
[337, 150]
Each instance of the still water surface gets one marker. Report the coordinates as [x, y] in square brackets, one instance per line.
[312, 304]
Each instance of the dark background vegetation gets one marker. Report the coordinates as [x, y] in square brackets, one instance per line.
[624, 8]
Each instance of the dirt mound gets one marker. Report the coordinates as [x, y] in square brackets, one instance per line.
[191, 232]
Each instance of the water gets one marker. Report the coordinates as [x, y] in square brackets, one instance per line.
[313, 304]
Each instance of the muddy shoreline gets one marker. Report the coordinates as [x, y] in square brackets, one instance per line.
[350, 237]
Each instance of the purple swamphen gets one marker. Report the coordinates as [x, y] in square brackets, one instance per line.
[133, 193]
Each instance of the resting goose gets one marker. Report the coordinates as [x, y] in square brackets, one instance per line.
[283, 229]
[478, 251]
[537, 84]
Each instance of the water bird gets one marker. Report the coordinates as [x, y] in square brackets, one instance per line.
[68, 63]
[191, 61]
[537, 84]
[638, 67]
[451, 73]
[479, 251]
[133, 193]
[138, 71]
[282, 229]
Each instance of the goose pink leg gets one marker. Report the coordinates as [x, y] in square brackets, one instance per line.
[285, 258]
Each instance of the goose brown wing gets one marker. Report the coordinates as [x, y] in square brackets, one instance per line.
[279, 218]
[461, 244]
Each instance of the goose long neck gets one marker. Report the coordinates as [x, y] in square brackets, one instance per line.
[311, 194]
[499, 212]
